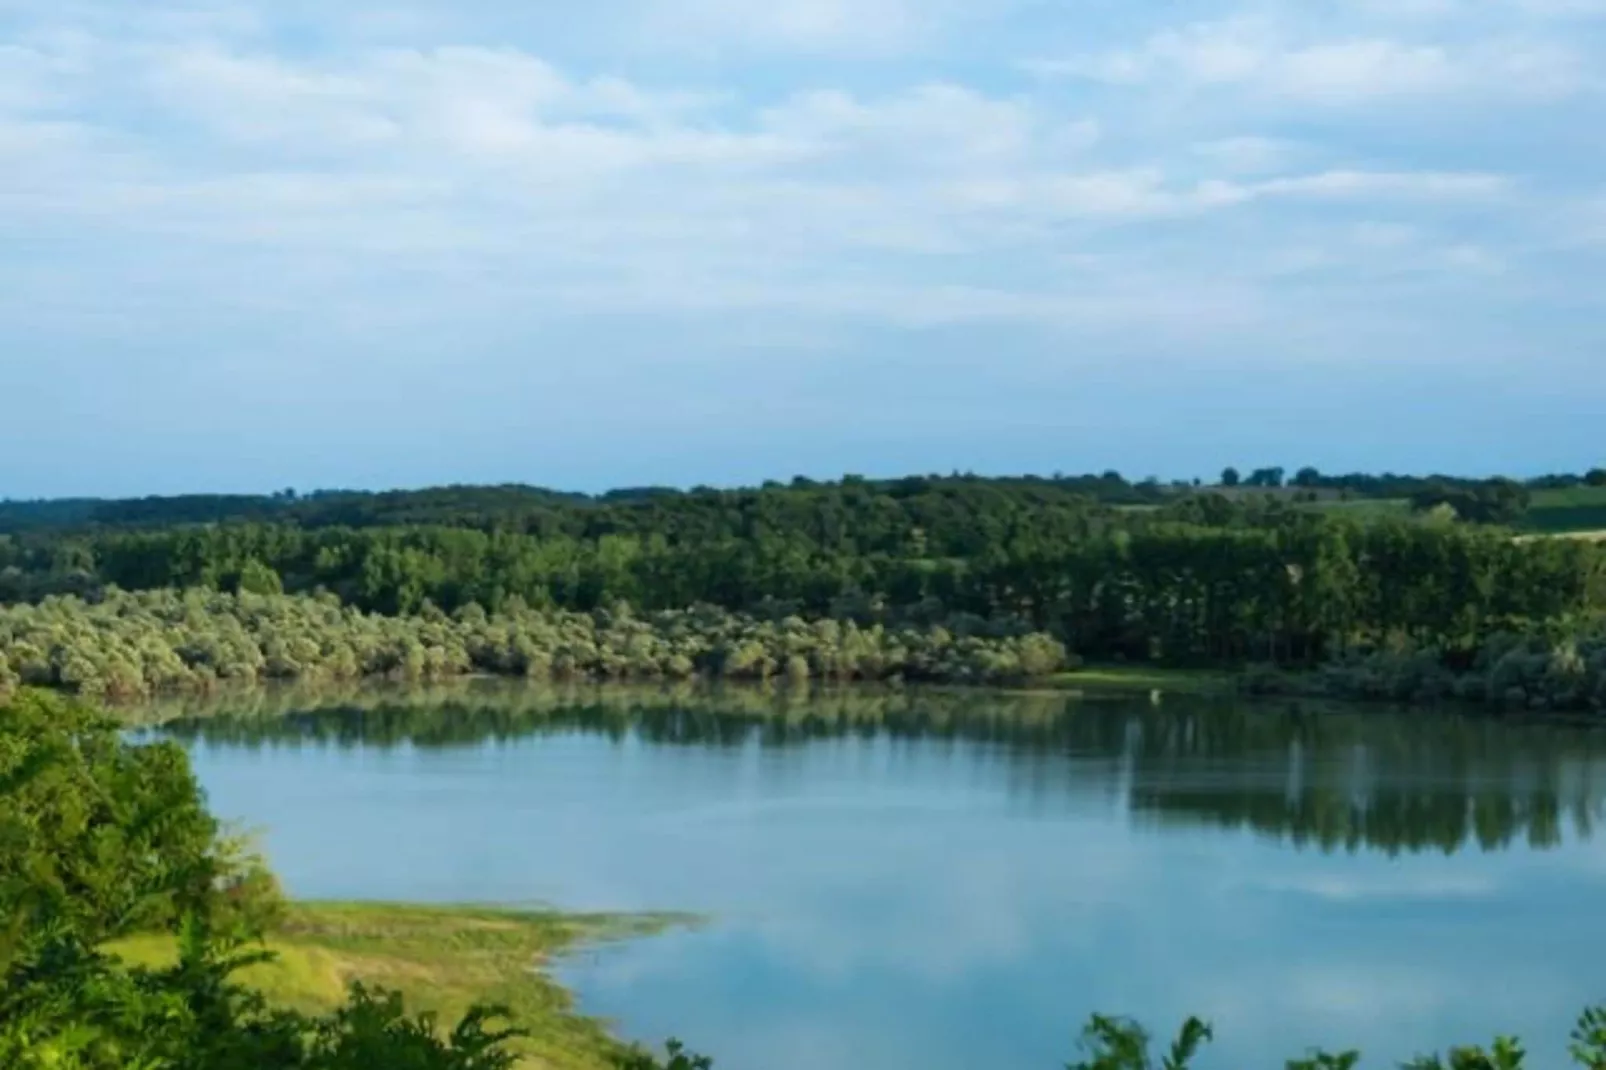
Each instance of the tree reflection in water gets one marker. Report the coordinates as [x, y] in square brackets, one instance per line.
[1330, 778]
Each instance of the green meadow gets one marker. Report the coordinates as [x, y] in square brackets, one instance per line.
[442, 959]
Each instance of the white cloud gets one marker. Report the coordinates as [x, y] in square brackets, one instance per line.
[395, 149]
[855, 25]
[1558, 8]
[961, 125]
[1314, 65]
[1347, 70]
[1247, 154]
[471, 101]
[1428, 185]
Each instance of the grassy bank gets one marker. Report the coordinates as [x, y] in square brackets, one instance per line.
[442, 959]
[1129, 678]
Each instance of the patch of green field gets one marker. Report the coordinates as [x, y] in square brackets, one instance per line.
[308, 979]
[1557, 497]
[1365, 507]
[1146, 678]
[1566, 510]
[1585, 536]
[443, 959]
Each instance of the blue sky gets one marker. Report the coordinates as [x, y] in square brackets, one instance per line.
[248, 244]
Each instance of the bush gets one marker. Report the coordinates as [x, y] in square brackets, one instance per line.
[96, 837]
[1561, 671]
[132, 645]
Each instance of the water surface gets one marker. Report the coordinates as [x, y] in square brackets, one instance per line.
[940, 882]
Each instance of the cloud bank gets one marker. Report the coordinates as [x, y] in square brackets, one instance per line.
[195, 186]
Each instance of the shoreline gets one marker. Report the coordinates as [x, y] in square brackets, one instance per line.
[1092, 682]
[1128, 679]
[287, 696]
[443, 958]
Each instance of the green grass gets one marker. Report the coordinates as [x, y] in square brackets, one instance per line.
[442, 959]
[1366, 507]
[1565, 497]
[1574, 511]
[309, 979]
[1567, 511]
[1146, 678]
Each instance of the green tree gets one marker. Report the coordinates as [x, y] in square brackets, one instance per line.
[100, 838]
[257, 578]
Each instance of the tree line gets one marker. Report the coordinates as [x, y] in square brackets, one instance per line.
[130, 645]
[539, 510]
[1297, 589]
[1561, 668]
[536, 510]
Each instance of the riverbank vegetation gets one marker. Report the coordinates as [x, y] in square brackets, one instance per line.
[1557, 670]
[1295, 592]
[135, 933]
[127, 920]
[1206, 579]
[137, 644]
[443, 961]
[1146, 678]
[934, 579]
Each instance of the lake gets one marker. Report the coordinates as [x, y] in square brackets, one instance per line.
[944, 881]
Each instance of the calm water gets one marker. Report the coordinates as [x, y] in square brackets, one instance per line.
[943, 882]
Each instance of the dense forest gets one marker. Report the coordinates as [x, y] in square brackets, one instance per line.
[1298, 589]
[538, 511]
[1419, 603]
[130, 645]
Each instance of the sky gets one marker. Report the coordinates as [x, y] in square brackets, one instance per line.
[251, 244]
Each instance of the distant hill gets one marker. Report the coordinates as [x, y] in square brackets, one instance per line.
[1554, 503]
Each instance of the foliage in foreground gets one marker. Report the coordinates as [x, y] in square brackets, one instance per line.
[100, 839]
[1121, 1044]
[73, 1008]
